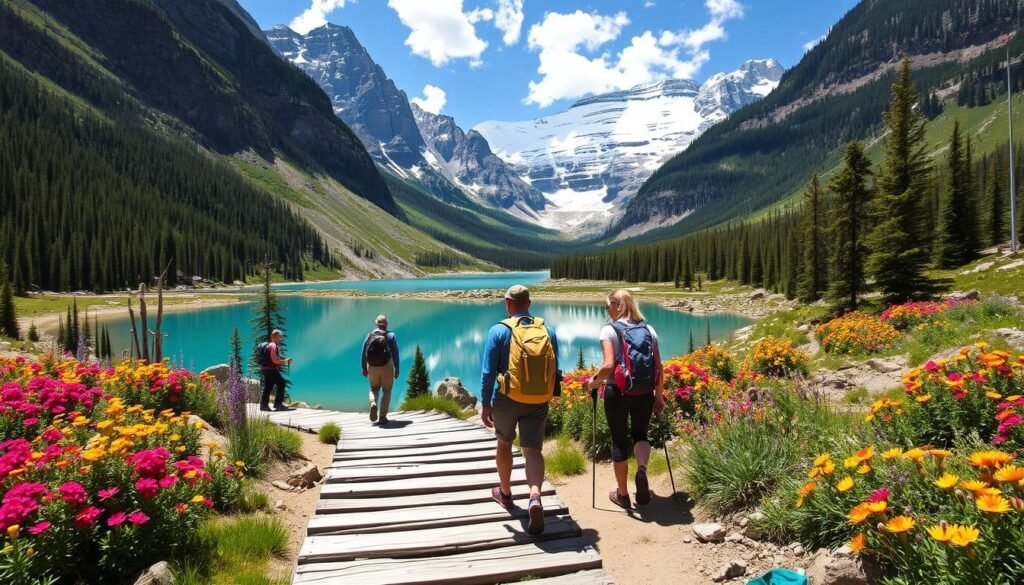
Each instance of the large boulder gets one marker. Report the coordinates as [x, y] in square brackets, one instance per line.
[1014, 337]
[452, 388]
[841, 567]
[253, 387]
[158, 574]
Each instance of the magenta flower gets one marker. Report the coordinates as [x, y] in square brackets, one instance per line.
[931, 366]
[52, 435]
[147, 488]
[116, 519]
[38, 528]
[138, 518]
[109, 493]
[73, 493]
[87, 516]
[168, 481]
[879, 495]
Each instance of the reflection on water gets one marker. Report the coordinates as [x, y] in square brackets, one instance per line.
[495, 280]
[325, 337]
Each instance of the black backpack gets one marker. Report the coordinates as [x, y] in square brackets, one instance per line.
[263, 354]
[378, 352]
[635, 372]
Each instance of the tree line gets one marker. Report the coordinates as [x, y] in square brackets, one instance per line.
[867, 229]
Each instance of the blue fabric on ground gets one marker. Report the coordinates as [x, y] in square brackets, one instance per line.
[779, 577]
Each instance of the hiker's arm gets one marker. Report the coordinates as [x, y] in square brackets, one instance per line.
[276, 359]
[394, 351]
[659, 382]
[362, 358]
[489, 367]
[607, 365]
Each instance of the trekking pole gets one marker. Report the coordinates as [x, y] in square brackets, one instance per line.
[593, 449]
[668, 462]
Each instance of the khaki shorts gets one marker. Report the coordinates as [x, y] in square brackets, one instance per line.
[531, 418]
[381, 377]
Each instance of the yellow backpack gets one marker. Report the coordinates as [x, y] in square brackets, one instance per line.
[531, 362]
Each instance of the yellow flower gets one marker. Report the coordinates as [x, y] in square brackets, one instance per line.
[942, 533]
[828, 468]
[845, 484]
[94, 454]
[822, 460]
[899, 524]
[877, 507]
[13, 531]
[863, 469]
[1009, 473]
[915, 455]
[857, 543]
[993, 504]
[964, 535]
[894, 453]
[851, 462]
[923, 398]
[993, 395]
[239, 463]
[973, 485]
[947, 481]
[197, 499]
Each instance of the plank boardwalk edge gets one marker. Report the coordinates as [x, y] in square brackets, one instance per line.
[425, 517]
[541, 559]
[342, 505]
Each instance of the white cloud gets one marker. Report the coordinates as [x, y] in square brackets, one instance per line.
[508, 18]
[315, 16]
[814, 43]
[433, 100]
[440, 31]
[649, 4]
[561, 40]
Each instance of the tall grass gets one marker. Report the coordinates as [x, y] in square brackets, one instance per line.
[329, 433]
[259, 440]
[435, 403]
[236, 551]
[566, 460]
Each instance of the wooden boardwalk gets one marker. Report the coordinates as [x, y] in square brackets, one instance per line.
[410, 503]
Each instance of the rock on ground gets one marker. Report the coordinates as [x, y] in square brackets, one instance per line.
[452, 388]
[709, 532]
[876, 375]
[731, 570]
[158, 574]
[1015, 337]
[841, 567]
[305, 477]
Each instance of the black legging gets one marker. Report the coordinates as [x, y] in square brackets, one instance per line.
[617, 408]
[272, 378]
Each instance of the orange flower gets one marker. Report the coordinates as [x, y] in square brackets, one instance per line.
[865, 454]
[859, 514]
[877, 507]
[989, 459]
[1009, 473]
[807, 488]
[858, 542]
[899, 524]
[973, 485]
[964, 535]
[916, 455]
[993, 504]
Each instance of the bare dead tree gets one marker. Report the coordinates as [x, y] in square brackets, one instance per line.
[158, 340]
[144, 323]
[135, 330]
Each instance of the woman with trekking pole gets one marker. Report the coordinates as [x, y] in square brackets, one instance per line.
[631, 381]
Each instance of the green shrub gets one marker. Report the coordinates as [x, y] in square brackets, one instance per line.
[283, 444]
[259, 440]
[579, 425]
[329, 433]
[246, 539]
[435, 403]
[566, 460]
[252, 499]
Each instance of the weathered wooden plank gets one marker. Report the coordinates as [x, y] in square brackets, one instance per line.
[591, 577]
[483, 444]
[420, 485]
[391, 431]
[445, 457]
[448, 438]
[341, 504]
[413, 470]
[471, 568]
[426, 541]
[423, 517]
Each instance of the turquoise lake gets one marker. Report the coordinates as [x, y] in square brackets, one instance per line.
[500, 280]
[325, 337]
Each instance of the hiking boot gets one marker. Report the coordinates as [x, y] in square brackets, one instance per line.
[536, 516]
[373, 412]
[264, 408]
[643, 490]
[283, 408]
[619, 499]
[383, 421]
[504, 500]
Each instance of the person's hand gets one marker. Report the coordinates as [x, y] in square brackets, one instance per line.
[396, 372]
[659, 403]
[289, 361]
[487, 416]
[365, 373]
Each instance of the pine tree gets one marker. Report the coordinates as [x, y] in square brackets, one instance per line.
[700, 283]
[849, 253]
[792, 266]
[691, 342]
[813, 277]
[419, 379]
[8, 313]
[33, 333]
[997, 206]
[899, 257]
[268, 312]
[958, 240]
[677, 280]
[687, 273]
[580, 364]
[236, 349]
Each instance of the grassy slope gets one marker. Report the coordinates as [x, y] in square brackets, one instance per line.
[985, 125]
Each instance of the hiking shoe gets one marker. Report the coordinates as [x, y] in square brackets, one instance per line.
[264, 409]
[373, 412]
[536, 516]
[619, 499]
[283, 408]
[643, 491]
[383, 421]
[504, 500]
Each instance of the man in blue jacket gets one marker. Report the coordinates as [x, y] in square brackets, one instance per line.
[380, 366]
[505, 414]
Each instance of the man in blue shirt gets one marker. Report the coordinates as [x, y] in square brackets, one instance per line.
[380, 366]
[505, 414]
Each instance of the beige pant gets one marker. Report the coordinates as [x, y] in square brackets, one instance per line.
[382, 378]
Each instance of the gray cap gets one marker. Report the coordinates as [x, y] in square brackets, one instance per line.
[517, 292]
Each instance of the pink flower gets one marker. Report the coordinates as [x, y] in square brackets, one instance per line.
[138, 518]
[39, 528]
[147, 488]
[116, 519]
[208, 502]
[151, 462]
[73, 493]
[52, 435]
[168, 481]
[955, 377]
[931, 366]
[31, 422]
[879, 495]
[87, 516]
[109, 493]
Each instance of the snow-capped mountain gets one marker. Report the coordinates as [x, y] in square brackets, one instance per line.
[592, 158]
[429, 149]
[466, 159]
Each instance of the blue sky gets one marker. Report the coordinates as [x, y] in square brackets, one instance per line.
[519, 59]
